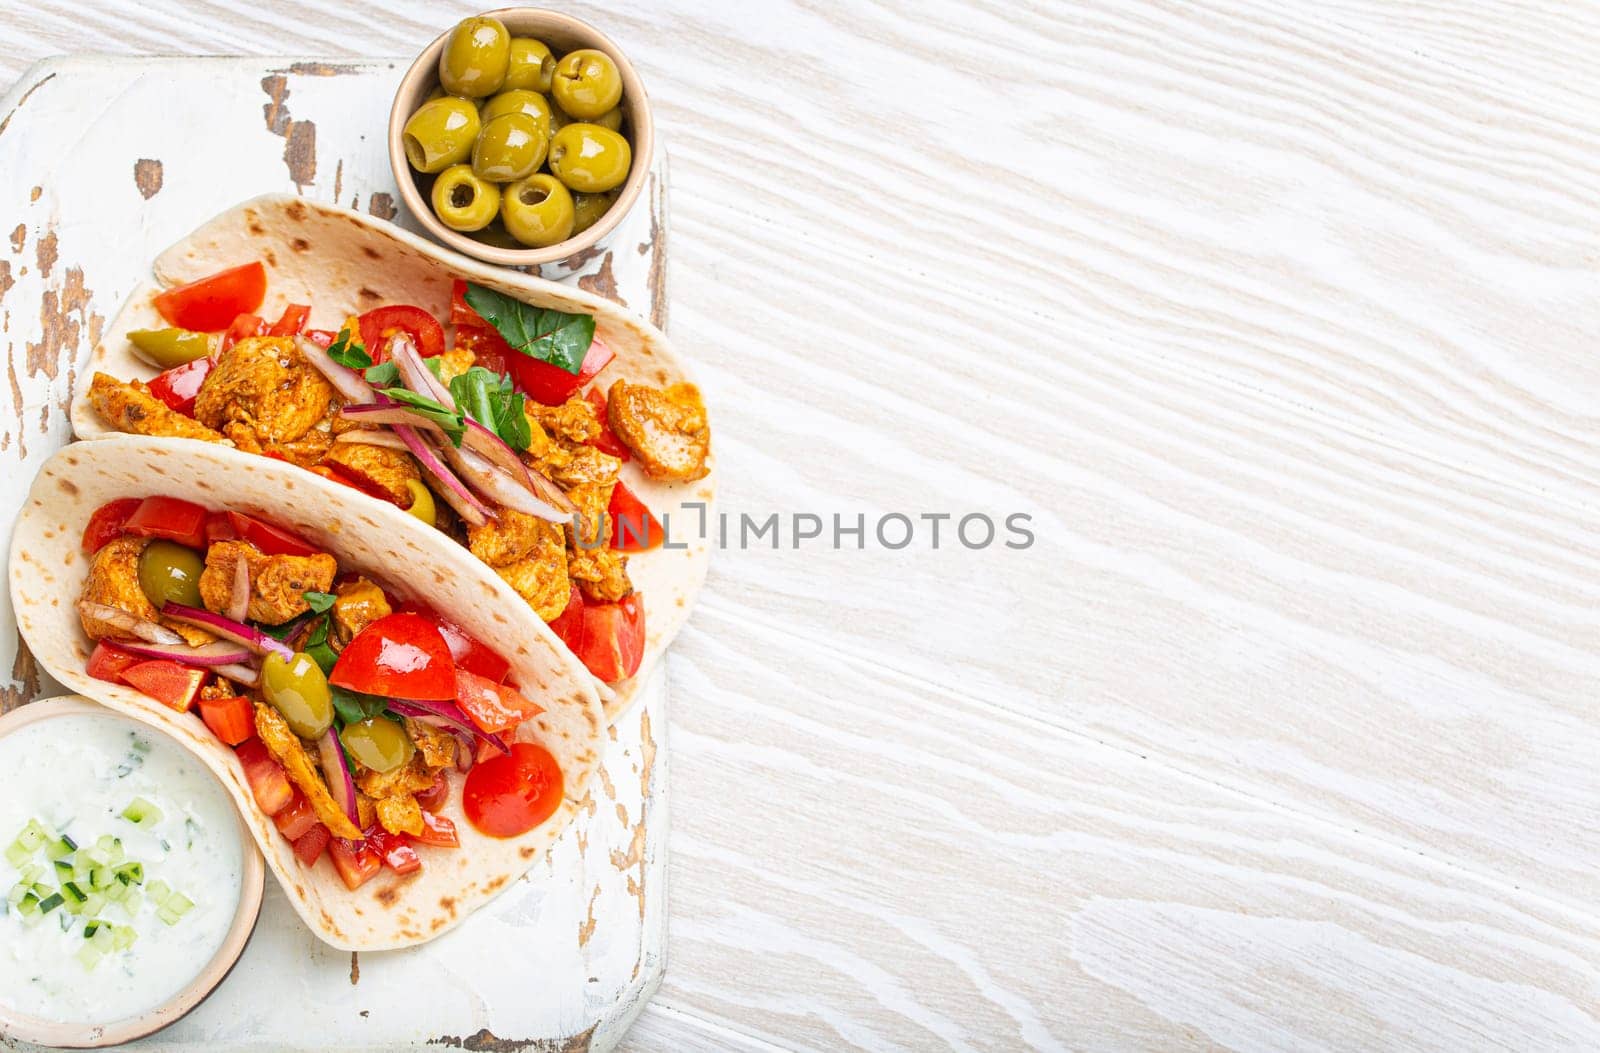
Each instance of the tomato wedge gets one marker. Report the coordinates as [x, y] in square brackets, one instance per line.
[171, 684]
[356, 861]
[493, 707]
[179, 386]
[170, 518]
[612, 642]
[296, 821]
[606, 441]
[269, 783]
[553, 385]
[401, 656]
[381, 323]
[271, 540]
[106, 525]
[633, 528]
[309, 847]
[437, 831]
[108, 661]
[396, 851]
[246, 325]
[211, 303]
[510, 794]
[460, 313]
[292, 321]
[233, 720]
[468, 653]
[568, 625]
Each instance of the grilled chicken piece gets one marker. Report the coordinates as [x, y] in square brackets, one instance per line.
[455, 362]
[378, 468]
[129, 407]
[400, 815]
[436, 746]
[665, 428]
[277, 583]
[573, 421]
[113, 581]
[411, 777]
[530, 554]
[262, 391]
[286, 747]
[357, 604]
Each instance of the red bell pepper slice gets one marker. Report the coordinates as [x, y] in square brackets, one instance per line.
[108, 521]
[210, 303]
[232, 719]
[400, 656]
[108, 661]
[396, 850]
[510, 794]
[633, 528]
[179, 386]
[308, 847]
[291, 322]
[612, 644]
[356, 861]
[271, 540]
[493, 707]
[173, 685]
[170, 518]
[438, 832]
[269, 783]
[243, 327]
[468, 653]
[379, 324]
[296, 820]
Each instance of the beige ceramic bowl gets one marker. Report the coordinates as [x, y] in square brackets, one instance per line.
[562, 33]
[93, 1036]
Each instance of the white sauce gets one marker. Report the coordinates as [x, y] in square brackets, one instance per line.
[76, 774]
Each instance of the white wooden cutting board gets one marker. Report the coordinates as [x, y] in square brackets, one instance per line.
[104, 162]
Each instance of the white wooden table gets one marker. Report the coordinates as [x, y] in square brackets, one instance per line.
[1281, 321]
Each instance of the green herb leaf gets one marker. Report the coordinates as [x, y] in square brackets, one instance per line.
[550, 336]
[316, 645]
[490, 400]
[354, 707]
[349, 352]
[319, 602]
[451, 421]
[383, 375]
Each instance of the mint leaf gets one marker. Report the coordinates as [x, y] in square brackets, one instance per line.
[383, 375]
[319, 602]
[354, 707]
[349, 352]
[490, 400]
[550, 336]
[451, 421]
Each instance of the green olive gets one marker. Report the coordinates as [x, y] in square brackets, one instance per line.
[558, 120]
[462, 201]
[519, 100]
[422, 505]
[169, 571]
[378, 743]
[475, 57]
[497, 235]
[590, 159]
[588, 208]
[611, 119]
[297, 688]
[165, 348]
[531, 65]
[586, 83]
[510, 147]
[441, 134]
[537, 211]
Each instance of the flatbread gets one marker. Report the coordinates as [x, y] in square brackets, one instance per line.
[47, 570]
[343, 262]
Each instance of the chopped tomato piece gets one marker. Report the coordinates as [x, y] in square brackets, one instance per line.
[460, 313]
[309, 846]
[171, 684]
[269, 783]
[510, 794]
[323, 338]
[244, 326]
[106, 525]
[437, 831]
[271, 540]
[468, 653]
[493, 707]
[553, 385]
[396, 850]
[433, 798]
[381, 323]
[210, 303]
[487, 347]
[485, 751]
[170, 518]
[233, 720]
[633, 528]
[293, 320]
[107, 661]
[606, 441]
[612, 643]
[297, 819]
[356, 861]
[177, 387]
[402, 655]
[568, 625]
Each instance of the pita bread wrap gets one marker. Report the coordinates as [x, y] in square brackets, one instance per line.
[343, 262]
[48, 567]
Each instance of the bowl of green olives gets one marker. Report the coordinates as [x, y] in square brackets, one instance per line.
[521, 137]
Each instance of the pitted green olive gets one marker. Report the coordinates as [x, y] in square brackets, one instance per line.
[297, 688]
[378, 743]
[170, 572]
[531, 65]
[464, 202]
[165, 348]
[590, 159]
[519, 100]
[475, 58]
[588, 208]
[509, 147]
[611, 119]
[586, 83]
[537, 211]
[441, 134]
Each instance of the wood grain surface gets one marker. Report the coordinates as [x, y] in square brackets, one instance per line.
[1280, 321]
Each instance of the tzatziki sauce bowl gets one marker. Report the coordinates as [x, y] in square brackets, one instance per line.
[129, 886]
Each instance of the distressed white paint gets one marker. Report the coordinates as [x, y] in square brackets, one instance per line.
[1284, 325]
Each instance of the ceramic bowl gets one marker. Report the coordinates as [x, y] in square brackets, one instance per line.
[93, 1036]
[562, 33]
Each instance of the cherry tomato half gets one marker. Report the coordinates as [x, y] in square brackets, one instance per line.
[105, 526]
[379, 324]
[211, 303]
[510, 794]
[568, 625]
[179, 386]
[468, 652]
[292, 321]
[243, 327]
[401, 656]
[493, 707]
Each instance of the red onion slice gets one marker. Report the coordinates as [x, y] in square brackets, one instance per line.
[498, 486]
[243, 675]
[248, 635]
[347, 382]
[216, 653]
[336, 769]
[416, 374]
[239, 599]
[454, 491]
[373, 437]
[149, 632]
[446, 715]
[388, 413]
